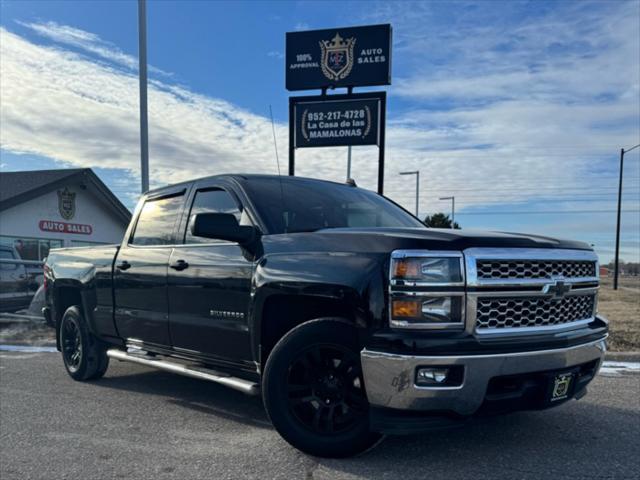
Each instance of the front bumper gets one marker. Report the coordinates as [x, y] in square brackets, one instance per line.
[390, 378]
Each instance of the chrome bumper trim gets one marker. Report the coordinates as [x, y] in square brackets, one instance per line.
[389, 378]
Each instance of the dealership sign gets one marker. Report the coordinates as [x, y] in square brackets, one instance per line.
[331, 123]
[63, 227]
[338, 57]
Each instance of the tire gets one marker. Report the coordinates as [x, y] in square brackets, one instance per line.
[314, 393]
[83, 355]
[103, 365]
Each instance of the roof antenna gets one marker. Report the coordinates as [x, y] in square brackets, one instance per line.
[275, 146]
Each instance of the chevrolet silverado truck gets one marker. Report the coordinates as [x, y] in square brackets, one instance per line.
[349, 316]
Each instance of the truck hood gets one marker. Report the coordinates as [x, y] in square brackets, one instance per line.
[448, 239]
[374, 241]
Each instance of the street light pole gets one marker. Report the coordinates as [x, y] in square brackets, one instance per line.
[453, 208]
[144, 126]
[617, 258]
[417, 174]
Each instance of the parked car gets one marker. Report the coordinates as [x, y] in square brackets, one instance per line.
[15, 283]
[340, 308]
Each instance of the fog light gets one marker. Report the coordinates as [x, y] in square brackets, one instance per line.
[440, 376]
[432, 376]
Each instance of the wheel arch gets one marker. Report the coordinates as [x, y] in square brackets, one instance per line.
[290, 289]
[282, 313]
[68, 294]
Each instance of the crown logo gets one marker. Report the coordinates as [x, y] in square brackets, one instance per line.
[336, 42]
[337, 57]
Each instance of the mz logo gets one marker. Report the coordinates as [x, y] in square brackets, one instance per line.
[557, 290]
[337, 57]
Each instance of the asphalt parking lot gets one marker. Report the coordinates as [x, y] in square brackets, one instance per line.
[141, 423]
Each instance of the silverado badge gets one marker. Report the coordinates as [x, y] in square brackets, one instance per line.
[337, 57]
[66, 203]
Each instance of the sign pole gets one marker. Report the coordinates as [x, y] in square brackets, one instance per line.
[383, 123]
[144, 127]
[292, 144]
[349, 91]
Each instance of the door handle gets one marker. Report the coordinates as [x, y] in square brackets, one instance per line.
[179, 265]
[123, 265]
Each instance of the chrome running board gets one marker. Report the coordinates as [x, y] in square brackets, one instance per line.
[244, 386]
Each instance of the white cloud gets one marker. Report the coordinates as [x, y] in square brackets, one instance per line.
[514, 99]
[60, 105]
[275, 54]
[86, 41]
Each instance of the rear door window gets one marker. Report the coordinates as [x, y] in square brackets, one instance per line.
[157, 221]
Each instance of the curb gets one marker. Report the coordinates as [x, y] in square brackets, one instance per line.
[623, 356]
[12, 318]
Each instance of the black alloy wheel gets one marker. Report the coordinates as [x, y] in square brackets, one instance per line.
[71, 342]
[84, 356]
[325, 387]
[314, 392]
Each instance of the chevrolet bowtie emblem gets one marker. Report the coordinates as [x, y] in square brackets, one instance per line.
[557, 290]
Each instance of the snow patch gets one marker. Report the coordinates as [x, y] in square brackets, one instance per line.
[27, 348]
[617, 369]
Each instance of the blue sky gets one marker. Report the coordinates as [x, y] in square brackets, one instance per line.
[519, 109]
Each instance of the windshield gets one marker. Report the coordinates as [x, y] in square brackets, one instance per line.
[307, 205]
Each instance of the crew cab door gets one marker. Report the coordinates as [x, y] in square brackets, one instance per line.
[140, 270]
[210, 284]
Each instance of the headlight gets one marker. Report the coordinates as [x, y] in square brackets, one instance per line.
[429, 269]
[427, 311]
[425, 307]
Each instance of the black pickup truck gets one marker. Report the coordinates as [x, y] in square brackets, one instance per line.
[340, 308]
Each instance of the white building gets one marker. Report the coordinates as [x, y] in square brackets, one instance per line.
[46, 209]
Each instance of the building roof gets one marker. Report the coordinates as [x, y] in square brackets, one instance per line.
[20, 187]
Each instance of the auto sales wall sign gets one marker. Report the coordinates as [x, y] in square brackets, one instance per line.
[63, 227]
[338, 57]
[331, 122]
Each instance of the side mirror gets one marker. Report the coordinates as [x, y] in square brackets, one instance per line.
[222, 226]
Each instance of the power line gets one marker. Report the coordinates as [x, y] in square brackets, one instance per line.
[528, 195]
[520, 192]
[579, 200]
[458, 155]
[525, 193]
[544, 185]
[546, 212]
[555, 182]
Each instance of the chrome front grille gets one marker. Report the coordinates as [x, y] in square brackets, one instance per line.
[522, 291]
[527, 311]
[520, 269]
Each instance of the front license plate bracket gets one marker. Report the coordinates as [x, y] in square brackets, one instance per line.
[561, 386]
